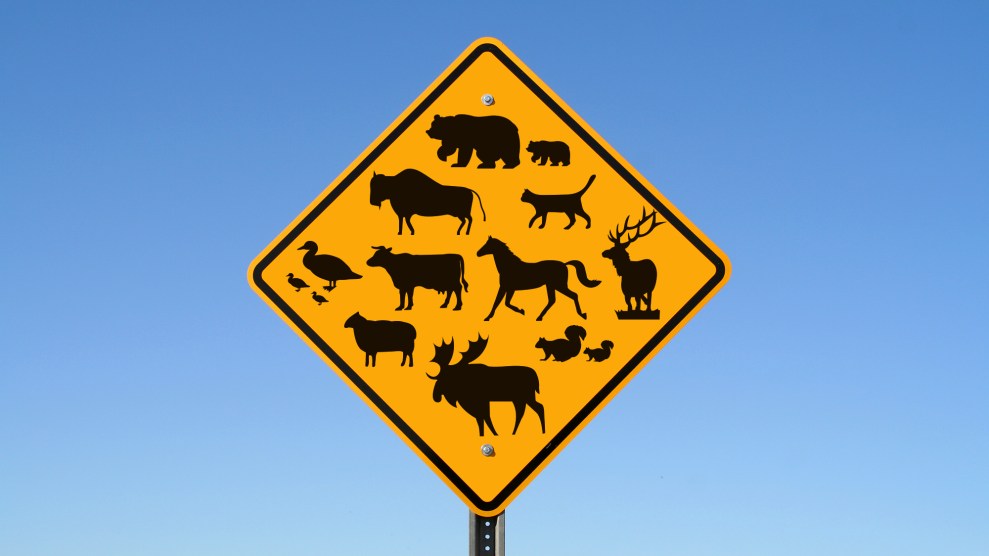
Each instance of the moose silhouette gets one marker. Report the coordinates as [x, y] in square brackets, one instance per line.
[515, 274]
[411, 192]
[474, 386]
[638, 277]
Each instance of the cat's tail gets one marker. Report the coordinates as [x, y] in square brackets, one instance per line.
[483, 216]
[588, 186]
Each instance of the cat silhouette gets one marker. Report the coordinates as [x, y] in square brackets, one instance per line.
[569, 204]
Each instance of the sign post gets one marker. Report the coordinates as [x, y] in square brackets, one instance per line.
[487, 276]
[487, 535]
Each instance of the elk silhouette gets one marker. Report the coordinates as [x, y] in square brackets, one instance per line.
[475, 386]
[638, 277]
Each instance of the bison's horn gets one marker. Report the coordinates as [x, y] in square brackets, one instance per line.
[433, 377]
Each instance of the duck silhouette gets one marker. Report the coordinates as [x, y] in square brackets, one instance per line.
[318, 298]
[297, 283]
[327, 267]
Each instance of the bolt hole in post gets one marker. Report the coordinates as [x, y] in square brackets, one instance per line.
[487, 535]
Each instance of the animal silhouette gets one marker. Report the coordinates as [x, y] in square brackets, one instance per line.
[473, 386]
[557, 152]
[297, 283]
[569, 204]
[601, 353]
[493, 137]
[375, 336]
[443, 273]
[318, 298]
[325, 266]
[411, 192]
[514, 274]
[565, 348]
[638, 277]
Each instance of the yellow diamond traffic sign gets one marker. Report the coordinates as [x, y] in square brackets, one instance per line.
[488, 274]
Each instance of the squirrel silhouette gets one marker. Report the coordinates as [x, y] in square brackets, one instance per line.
[601, 353]
[563, 349]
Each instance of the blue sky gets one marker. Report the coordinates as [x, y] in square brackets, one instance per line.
[832, 399]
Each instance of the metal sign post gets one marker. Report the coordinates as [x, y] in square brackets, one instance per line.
[487, 535]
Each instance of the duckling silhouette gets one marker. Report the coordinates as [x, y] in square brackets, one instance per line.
[318, 298]
[297, 283]
[327, 267]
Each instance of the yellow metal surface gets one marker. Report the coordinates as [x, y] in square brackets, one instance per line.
[342, 222]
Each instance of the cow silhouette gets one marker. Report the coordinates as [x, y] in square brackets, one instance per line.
[473, 386]
[375, 336]
[413, 193]
[443, 273]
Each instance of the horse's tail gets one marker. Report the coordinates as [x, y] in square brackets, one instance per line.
[483, 216]
[582, 274]
[463, 277]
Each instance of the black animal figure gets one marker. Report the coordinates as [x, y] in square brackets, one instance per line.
[556, 151]
[514, 274]
[493, 137]
[638, 277]
[475, 386]
[318, 299]
[411, 192]
[601, 353]
[374, 336]
[443, 273]
[569, 204]
[327, 267]
[565, 348]
[297, 283]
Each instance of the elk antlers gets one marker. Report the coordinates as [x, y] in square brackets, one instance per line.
[617, 235]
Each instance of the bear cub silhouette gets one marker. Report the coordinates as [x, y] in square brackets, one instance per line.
[493, 137]
[556, 151]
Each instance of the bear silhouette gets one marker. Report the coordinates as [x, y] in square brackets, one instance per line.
[493, 137]
[556, 151]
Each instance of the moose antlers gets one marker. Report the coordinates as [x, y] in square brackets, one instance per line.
[444, 352]
[637, 229]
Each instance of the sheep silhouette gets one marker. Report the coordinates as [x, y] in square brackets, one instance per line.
[374, 336]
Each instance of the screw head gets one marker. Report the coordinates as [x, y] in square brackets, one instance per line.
[488, 100]
[487, 450]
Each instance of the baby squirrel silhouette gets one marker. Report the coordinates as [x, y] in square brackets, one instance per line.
[564, 348]
[601, 353]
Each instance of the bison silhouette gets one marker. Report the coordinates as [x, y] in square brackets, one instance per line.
[411, 192]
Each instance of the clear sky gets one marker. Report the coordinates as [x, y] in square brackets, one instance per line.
[832, 399]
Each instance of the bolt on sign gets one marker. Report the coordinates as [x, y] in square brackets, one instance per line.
[488, 274]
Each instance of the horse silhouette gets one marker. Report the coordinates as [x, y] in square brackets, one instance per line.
[515, 274]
